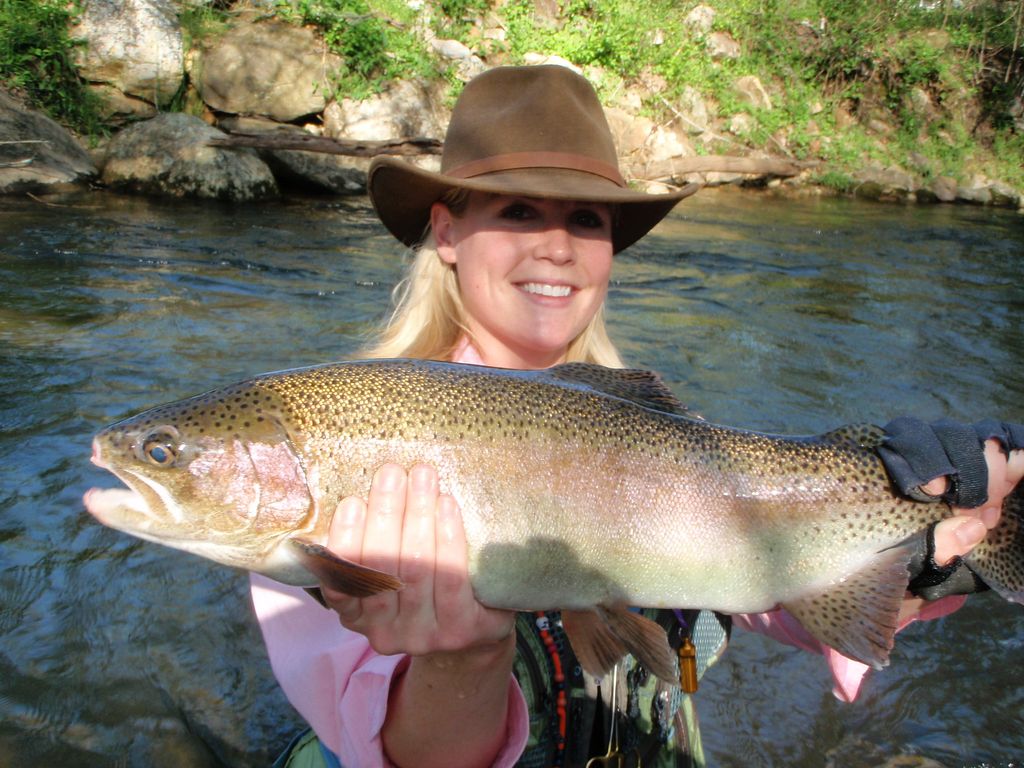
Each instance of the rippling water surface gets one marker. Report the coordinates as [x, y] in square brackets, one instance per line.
[792, 316]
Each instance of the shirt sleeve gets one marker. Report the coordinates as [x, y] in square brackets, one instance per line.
[847, 675]
[338, 683]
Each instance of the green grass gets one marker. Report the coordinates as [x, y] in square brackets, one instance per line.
[36, 60]
[376, 42]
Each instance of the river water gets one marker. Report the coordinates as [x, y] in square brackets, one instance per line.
[784, 315]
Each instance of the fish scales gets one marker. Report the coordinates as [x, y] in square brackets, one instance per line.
[579, 487]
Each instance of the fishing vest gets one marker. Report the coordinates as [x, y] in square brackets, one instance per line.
[571, 711]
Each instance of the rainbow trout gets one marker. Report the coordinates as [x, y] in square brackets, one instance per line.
[582, 488]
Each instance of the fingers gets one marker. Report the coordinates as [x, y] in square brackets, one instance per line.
[936, 486]
[345, 539]
[382, 538]
[956, 536]
[451, 580]
[463, 622]
[368, 532]
[1004, 473]
[1015, 467]
[417, 556]
[397, 530]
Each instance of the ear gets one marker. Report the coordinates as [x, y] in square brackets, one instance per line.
[441, 222]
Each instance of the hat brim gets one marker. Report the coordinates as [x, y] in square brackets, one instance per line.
[402, 195]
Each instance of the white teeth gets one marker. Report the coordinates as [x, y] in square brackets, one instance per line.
[543, 289]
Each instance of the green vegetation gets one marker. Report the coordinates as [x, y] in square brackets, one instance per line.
[377, 44]
[36, 53]
[850, 81]
[905, 74]
[202, 22]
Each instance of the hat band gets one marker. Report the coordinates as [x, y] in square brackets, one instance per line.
[520, 160]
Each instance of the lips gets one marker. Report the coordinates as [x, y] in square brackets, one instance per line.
[97, 459]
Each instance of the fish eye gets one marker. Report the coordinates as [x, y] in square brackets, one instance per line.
[160, 448]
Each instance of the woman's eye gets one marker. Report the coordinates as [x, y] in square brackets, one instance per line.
[517, 212]
[588, 219]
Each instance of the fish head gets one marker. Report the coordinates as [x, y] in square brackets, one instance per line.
[215, 474]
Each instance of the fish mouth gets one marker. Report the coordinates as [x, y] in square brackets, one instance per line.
[122, 508]
[127, 509]
[112, 505]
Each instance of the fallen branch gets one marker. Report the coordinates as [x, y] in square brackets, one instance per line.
[307, 142]
[679, 166]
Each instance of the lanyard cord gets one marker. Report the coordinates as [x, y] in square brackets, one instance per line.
[561, 699]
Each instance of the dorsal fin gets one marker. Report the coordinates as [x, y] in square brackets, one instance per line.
[856, 435]
[638, 386]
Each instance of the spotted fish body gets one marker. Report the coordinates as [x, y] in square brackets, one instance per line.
[582, 488]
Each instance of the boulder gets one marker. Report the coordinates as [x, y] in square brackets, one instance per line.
[133, 45]
[304, 171]
[646, 149]
[36, 153]
[1004, 196]
[944, 189]
[741, 124]
[467, 64]
[700, 19]
[268, 68]
[168, 155]
[750, 91]
[119, 108]
[877, 183]
[692, 111]
[314, 172]
[974, 189]
[408, 108]
[722, 45]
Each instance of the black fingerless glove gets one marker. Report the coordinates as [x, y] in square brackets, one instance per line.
[915, 452]
[932, 581]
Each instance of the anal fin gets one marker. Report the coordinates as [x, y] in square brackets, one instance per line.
[858, 616]
[342, 575]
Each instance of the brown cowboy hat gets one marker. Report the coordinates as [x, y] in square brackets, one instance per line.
[535, 131]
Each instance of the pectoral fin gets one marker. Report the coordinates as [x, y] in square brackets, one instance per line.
[595, 646]
[340, 574]
[601, 638]
[858, 616]
[645, 639]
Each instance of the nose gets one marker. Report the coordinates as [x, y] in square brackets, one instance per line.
[556, 245]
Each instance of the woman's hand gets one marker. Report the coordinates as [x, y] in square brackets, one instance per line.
[449, 706]
[409, 529]
[958, 535]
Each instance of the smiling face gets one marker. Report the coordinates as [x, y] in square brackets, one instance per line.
[532, 272]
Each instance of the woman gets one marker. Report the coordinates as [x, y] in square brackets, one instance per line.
[515, 240]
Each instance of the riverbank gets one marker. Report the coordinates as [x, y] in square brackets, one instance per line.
[712, 112]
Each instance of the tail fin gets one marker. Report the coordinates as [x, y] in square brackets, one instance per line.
[999, 559]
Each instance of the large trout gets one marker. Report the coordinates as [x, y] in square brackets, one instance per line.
[582, 488]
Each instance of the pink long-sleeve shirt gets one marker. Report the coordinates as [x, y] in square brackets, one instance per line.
[340, 685]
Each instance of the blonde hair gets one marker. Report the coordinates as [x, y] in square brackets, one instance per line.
[429, 319]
